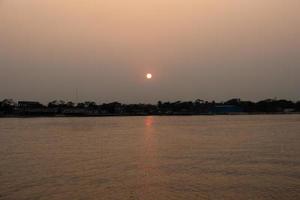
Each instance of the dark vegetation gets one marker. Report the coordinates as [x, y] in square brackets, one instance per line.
[9, 108]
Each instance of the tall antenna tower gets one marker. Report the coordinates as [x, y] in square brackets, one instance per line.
[76, 95]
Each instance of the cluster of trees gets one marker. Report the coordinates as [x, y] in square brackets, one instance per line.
[264, 106]
[9, 107]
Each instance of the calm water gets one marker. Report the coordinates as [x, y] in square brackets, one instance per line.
[151, 158]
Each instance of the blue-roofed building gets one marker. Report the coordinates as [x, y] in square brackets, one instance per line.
[227, 109]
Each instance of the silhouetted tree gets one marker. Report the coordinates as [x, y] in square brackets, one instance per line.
[234, 102]
[297, 106]
[112, 108]
[57, 104]
[7, 106]
[70, 104]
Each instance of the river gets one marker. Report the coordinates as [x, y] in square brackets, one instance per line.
[151, 158]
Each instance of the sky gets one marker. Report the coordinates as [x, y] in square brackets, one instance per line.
[100, 50]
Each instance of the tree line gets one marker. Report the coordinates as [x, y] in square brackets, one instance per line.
[89, 108]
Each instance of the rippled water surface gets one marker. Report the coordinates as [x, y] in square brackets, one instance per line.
[151, 158]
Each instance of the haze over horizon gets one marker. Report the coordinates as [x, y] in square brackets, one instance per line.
[207, 49]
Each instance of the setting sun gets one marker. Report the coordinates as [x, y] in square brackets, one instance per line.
[149, 76]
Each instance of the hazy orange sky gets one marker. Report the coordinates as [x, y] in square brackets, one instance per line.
[207, 49]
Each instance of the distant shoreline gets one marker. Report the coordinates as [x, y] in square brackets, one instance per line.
[59, 108]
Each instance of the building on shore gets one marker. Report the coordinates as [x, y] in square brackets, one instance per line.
[227, 109]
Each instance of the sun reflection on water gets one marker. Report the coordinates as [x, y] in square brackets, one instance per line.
[149, 164]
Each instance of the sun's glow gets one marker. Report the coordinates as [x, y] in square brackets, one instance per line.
[149, 76]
